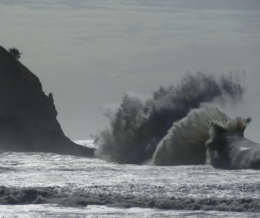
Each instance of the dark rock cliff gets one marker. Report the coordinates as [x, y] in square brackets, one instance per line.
[21, 93]
[28, 117]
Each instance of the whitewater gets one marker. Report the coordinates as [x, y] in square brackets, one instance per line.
[52, 185]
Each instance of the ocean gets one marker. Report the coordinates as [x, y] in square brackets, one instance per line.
[52, 185]
[149, 162]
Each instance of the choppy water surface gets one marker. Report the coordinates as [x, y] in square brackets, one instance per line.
[50, 185]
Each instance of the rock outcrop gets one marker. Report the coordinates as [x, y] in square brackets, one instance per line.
[21, 93]
[28, 117]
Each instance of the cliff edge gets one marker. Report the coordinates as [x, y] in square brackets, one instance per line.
[28, 117]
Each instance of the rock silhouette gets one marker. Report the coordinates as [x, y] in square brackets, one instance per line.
[28, 117]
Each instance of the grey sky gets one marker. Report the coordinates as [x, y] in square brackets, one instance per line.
[88, 53]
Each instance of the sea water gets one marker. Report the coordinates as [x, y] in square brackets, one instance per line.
[51, 185]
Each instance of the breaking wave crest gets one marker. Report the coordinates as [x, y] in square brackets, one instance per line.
[139, 125]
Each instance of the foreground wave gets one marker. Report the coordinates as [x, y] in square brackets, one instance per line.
[47, 210]
[69, 181]
[94, 196]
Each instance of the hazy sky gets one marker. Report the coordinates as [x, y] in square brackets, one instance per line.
[88, 53]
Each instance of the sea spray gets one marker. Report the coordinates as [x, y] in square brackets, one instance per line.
[139, 125]
[184, 143]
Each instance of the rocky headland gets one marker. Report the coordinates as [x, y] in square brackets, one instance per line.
[28, 117]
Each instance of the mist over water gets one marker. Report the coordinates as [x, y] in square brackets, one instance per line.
[139, 124]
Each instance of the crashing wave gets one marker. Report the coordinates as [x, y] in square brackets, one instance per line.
[139, 125]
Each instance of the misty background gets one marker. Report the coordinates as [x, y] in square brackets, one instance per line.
[89, 53]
